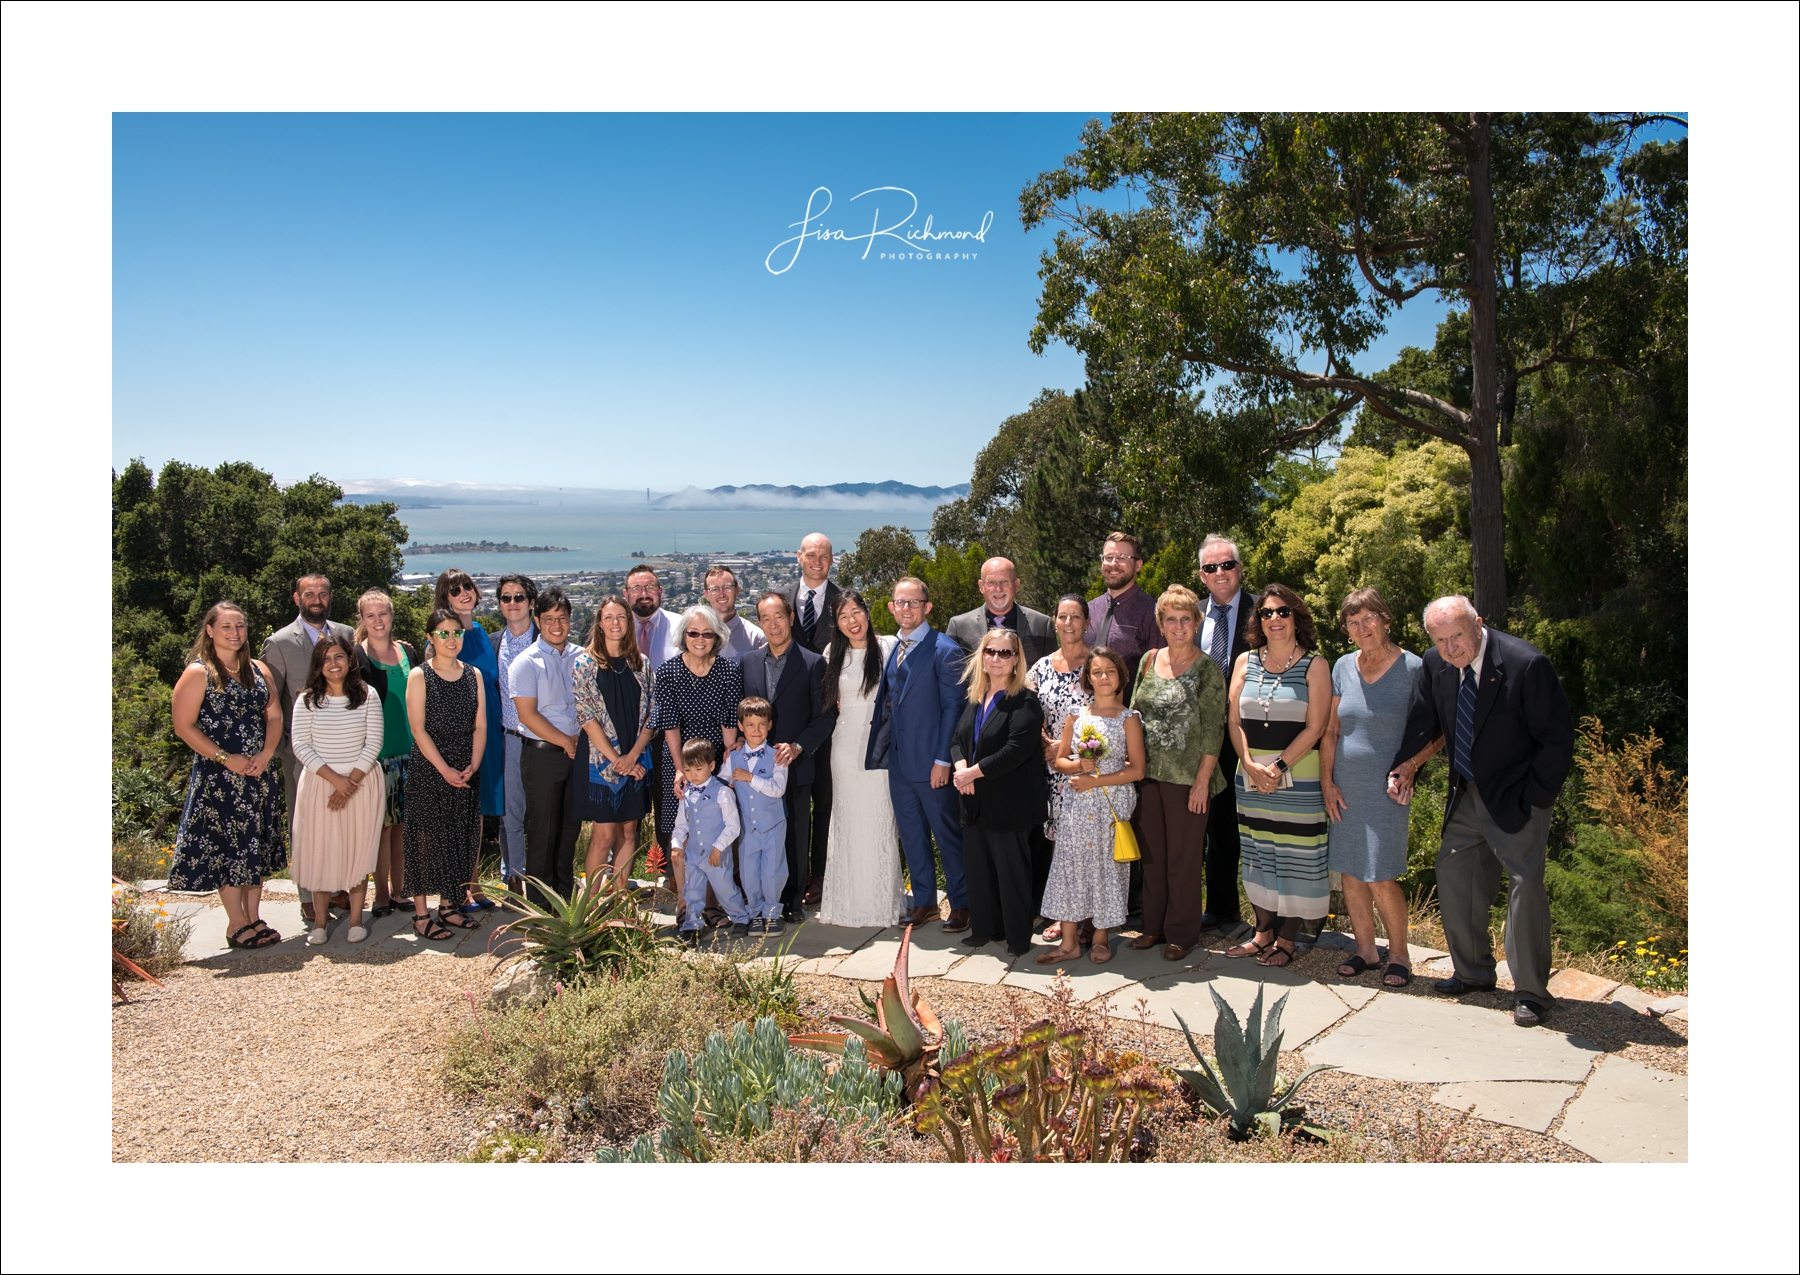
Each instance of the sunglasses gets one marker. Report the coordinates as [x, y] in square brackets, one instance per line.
[447, 635]
[512, 597]
[700, 633]
[998, 653]
[1270, 613]
[1230, 564]
[463, 588]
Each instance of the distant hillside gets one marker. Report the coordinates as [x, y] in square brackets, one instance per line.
[886, 495]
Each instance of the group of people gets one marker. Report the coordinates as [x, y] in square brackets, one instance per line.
[802, 758]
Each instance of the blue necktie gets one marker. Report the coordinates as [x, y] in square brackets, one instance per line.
[1219, 651]
[1465, 722]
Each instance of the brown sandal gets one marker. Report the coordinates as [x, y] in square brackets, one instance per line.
[1101, 954]
[1056, 954]
[1251, 948]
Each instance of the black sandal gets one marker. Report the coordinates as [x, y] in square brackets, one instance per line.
[1397, 970]
[1252, 948]
[381, 910]
[1355, 967]
[233, 939]
[1268, 960]
[455, 918]
[434, 930]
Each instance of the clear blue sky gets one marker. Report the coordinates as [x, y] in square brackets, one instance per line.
[577, 300]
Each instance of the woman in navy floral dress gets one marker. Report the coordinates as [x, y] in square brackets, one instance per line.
[231, 835]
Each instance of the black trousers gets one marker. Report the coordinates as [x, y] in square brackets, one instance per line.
[821, 817]
[1222, 846]
[997, 868]
[798, 801]
[550, 824]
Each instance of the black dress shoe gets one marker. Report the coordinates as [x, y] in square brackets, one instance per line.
[1530, 1013]
[1208, 921]
[1454, 986]
[792, 914]
[974, 941]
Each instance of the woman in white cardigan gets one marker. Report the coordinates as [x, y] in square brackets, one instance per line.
[336, 828]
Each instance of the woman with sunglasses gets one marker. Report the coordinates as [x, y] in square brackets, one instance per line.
[697, 695]
[446, 707]
[1003, 790]
[1280, 702]
[458, 593]
[1180, 695]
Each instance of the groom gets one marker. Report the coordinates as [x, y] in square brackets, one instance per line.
[925, 699]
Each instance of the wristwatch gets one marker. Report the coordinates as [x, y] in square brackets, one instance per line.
[1281, 765]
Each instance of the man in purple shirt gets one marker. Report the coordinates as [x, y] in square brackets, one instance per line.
[1124, 617]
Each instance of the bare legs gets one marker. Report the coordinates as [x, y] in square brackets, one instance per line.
[390, 865]
[243, 905]
[612, 847]
[321, 901]
[1364, 899]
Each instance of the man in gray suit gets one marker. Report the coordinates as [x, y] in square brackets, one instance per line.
[288, 654]
[999, 584]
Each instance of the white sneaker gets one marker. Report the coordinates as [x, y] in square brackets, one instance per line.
[317, 935]
[357, 934]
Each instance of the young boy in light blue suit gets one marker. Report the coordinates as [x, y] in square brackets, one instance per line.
[706, 816]
[760, 781]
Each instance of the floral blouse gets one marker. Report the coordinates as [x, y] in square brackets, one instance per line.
[590, 705]
[1184, 720]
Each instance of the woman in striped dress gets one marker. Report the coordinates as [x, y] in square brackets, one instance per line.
[1280, 700]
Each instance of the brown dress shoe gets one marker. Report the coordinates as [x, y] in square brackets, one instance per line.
[922, 915]
[957, 921]
[1174, 952]
[815, 890]
[1144, 942]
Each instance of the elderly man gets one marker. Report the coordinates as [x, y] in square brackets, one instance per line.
[742, 637]
[999, 584]
[1124, 616]
[814, 598]
[288, 654]
[1222, 639]
[1502, 710]
[653, 627]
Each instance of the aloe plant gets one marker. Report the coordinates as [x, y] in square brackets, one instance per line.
[1248, 1055]
[896, 1033]
[593, 931]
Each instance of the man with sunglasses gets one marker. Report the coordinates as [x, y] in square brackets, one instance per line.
[288, 655]
[516, 594]
[1124, 616]
[1222, 639]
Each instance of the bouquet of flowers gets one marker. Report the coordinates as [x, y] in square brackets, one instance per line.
[1090, 743]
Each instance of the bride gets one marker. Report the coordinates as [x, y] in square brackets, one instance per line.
[862, 869]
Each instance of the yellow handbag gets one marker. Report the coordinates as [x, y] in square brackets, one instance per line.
[1125, 846]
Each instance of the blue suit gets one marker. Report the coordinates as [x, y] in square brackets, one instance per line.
[919, 713]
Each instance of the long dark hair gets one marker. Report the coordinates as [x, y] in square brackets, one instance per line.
[628, 649]
[840, 650]
[316, 688]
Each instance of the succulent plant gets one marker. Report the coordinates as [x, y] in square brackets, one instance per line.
[902, 1033]
[1248, 1055]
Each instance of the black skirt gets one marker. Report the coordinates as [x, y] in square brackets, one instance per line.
[597, 802]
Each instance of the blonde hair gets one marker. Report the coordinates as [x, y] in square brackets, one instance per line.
[975, 670]
[379, 595]
[1178, 597]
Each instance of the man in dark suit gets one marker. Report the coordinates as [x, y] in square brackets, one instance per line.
[1222, 639]
[999, 584]
[288, 655]
[792, 679]
[1501, 707]
[925, 699]
[814, 598]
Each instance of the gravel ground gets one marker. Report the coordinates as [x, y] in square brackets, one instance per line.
[308, 1058]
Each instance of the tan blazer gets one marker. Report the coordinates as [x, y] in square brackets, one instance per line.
[288, 653]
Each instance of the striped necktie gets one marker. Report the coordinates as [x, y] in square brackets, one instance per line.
[1220, 650]
[809, 618]
[906, 644]
[1465, 723]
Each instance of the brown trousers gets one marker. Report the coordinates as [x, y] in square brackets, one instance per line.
[1174, 853]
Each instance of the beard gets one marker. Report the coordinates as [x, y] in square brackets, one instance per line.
[315, 614]
[644, 608]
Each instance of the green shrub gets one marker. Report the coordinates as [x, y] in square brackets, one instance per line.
[145, 934]
[592, 932]
[1592, 887]
[143, 805]
[507, 1146]
[1647, 965]
[595, 1052]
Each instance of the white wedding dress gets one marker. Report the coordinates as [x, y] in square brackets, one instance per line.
[862, 863]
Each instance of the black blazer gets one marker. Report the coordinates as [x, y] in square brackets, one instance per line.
[826, 628]
[1240, 642]
[1037, 633]
[366, 669]
[1524, 738]
[799, 702]
[1013, 793]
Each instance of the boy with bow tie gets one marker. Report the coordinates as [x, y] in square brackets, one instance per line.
[760, 781]
[706, 823]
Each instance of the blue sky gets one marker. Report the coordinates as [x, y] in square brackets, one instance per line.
[578, 300]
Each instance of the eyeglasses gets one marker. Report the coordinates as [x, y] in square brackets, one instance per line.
[447, 635]
[1230, 564]
[998, 653]
[1116, 559]
[907, 604]
[513, 597]
[1269, 613]
[641, 590]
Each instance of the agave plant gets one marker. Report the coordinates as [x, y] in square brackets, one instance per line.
[593, 931]
[895, 1036]
[1245, 1080]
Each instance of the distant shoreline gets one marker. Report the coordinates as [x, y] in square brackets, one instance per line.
[481, 546]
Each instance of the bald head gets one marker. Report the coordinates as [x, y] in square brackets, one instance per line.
[815, 559]
[999, 584]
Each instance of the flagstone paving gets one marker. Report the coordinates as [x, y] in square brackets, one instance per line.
[1629, 1112]
[1521, 1103]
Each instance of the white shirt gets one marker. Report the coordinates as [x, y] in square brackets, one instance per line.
[664, 643]
[814, 591]
[1208, 623]
[1480, 654]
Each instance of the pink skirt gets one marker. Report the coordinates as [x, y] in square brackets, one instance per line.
[335, 849]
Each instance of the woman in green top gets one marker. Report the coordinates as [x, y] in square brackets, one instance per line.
[384, 665]
[1180, 694]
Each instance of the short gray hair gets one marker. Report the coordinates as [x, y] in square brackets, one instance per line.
[1453, 603]
[1214, 538]
[710, 618]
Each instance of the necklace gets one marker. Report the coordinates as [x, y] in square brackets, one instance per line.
[1268, 701]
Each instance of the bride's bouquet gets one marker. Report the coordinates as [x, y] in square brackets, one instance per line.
[1090, 743]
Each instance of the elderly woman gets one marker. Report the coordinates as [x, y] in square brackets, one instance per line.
[1180, 696]
[697, 695]
[1057, 679]
[1003, 788]
[1370, 689]
[614, 708]
[1280, 700]
[457, 592]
